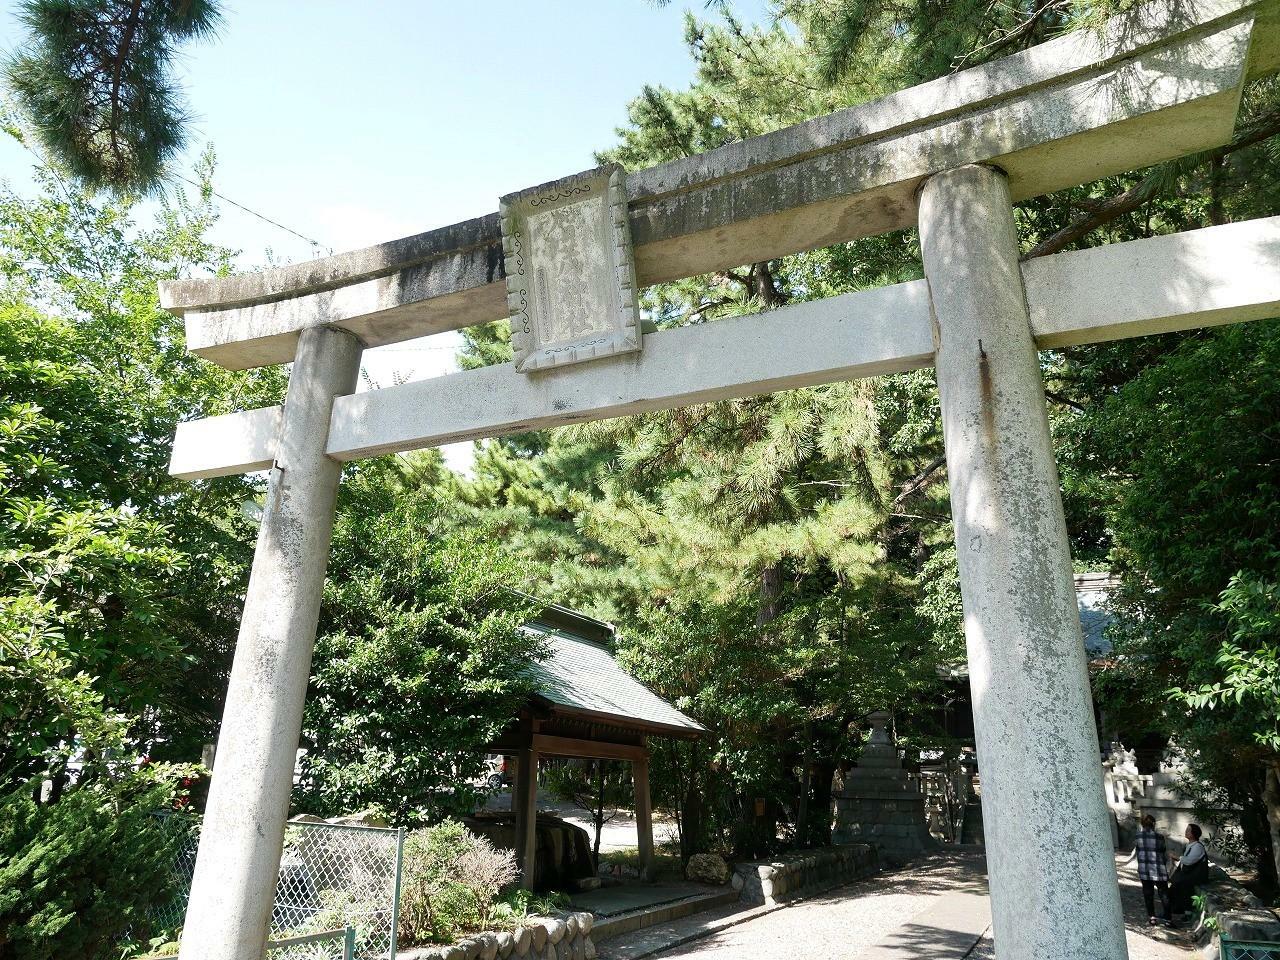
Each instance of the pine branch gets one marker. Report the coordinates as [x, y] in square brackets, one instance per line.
[121, 59]
[95, 81]
[1013, 36]
[920, 479]
[1064, 400]
[1149, 187]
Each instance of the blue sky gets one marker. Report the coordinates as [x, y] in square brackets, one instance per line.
[354, 123]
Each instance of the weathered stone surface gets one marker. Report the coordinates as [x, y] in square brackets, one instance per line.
[538, 934]
[488, 945]
[571, 285]
[421, 953]
[555, 930]
[797, 874]
[706, 868]
[1118, 290]
[1033, 714]
[1077, 108]
[507, 943]
[880, 803]
[244, 823]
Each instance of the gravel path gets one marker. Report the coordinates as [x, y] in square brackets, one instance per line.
[846, 923]
[843, 923]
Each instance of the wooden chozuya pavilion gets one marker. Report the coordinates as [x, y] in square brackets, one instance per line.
[584, 706]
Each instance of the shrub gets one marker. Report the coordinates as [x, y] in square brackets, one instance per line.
[78, 874]
[450, 882]
[515, 906]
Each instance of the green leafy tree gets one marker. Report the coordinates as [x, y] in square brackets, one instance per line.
[420, 660]
[95, 80]
[118, 585]
[1182, 459]
[118, 590]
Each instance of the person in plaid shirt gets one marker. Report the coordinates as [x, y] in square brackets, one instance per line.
[1153, 867]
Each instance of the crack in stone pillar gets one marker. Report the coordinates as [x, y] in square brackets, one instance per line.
[1054, 894]
[240, 843]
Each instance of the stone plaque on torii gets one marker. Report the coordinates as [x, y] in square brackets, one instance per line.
[1161, 81]
[571, 278]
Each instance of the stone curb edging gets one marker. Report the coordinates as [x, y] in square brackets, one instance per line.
[1254, 922]
[780, 880]
[566, 937]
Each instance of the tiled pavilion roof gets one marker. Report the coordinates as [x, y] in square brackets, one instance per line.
[581, 676]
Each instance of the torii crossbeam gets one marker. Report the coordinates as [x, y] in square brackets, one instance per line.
[1161, 81]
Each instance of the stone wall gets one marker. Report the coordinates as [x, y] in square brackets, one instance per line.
[544, 938]
[1131, 794]
[1233, 912]
[806, 871]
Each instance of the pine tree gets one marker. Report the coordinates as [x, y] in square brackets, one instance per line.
[95, 81]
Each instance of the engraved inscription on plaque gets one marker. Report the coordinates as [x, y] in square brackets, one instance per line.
[570, 275]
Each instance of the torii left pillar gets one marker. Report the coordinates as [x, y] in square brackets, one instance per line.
[229, 913]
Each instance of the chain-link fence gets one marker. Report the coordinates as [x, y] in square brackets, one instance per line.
[326, 945]
[331, 876]
[1249, 950]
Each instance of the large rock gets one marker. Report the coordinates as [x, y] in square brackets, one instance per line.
[364, 818]
[707, 868]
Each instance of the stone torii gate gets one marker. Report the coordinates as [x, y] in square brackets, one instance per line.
[1161, 81]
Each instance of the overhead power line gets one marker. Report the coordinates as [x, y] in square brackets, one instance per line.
[44, 161]
[254, 213]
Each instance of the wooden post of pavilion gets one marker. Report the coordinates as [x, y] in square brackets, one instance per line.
[525, 804]
[644, 814]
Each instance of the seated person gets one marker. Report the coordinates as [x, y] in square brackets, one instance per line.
[1192, 872]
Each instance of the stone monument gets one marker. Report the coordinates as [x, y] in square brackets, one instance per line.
[881, 804]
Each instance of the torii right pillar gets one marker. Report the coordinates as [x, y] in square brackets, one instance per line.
[1054, 894]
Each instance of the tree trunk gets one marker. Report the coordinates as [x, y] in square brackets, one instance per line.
[764, 288]
[598, 813]
[770, 595]
[692, 806]
[57, 783]
[820, 809]
[1271, 799]
[802, 808]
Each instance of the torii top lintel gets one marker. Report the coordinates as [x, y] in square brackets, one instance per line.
[1159, 81]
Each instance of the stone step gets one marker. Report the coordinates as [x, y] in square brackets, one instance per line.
[663, 913]
[656, 939]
